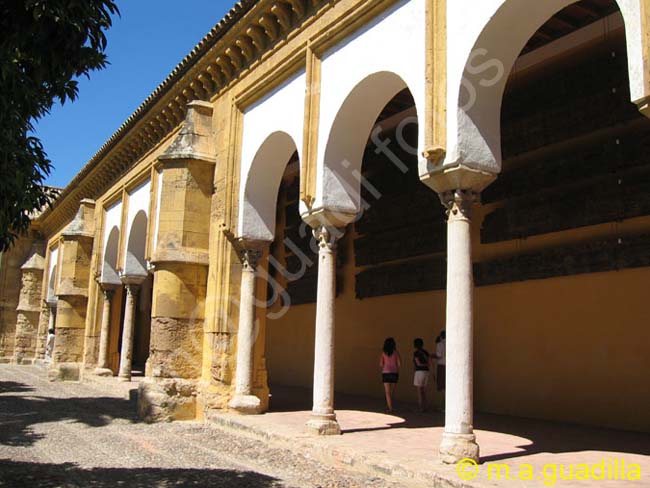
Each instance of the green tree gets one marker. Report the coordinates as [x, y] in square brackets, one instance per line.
[45, 46]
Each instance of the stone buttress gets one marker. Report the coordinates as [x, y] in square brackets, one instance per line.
[72, 293]
[180, 261]
[29, 307]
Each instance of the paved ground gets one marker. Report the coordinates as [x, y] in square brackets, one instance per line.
[86, 435]
[404, 444]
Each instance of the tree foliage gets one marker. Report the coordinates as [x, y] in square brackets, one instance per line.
[45, 46]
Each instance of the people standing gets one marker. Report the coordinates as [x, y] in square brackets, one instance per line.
[49, 345]
[441, 352]
[390, 362]
[421, 361]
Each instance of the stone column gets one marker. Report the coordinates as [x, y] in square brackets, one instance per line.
[132, 287]
[323, 419]
[459, 441]
[29, 307]
[102, 361]
[72, 293]
[244, 401]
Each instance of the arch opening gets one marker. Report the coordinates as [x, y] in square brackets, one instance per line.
[348, 138]
[395, 248]
[475, 134]
[136, 263]
[259, 197]
[109, 269]
[51, 286]
[566, 228]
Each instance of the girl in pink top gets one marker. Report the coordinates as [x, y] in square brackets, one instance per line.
[390, 363]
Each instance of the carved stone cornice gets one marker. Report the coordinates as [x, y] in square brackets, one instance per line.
[249, 30]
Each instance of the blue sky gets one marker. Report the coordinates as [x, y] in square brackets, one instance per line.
[144, 45]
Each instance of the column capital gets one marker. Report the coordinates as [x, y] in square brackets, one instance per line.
[132, 281]
[132, 288]
[251, 252]
[327, 236]
[459, 203]
[108, 293]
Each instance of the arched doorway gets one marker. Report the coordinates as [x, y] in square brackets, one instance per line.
[136, 268]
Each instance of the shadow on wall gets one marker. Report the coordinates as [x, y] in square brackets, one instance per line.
[14, 473]
[19, 413]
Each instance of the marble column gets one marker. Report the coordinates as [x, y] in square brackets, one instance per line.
[244, 401]
[102, 361]
[323, 419]
[459, 441]
[128, 330]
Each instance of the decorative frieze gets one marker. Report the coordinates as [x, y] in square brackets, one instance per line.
[247, 32]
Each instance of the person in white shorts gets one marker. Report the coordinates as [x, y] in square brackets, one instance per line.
[421, 361]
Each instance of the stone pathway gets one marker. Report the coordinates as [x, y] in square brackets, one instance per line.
[87, 435]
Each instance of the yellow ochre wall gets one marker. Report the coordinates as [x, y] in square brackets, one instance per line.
[573, 349]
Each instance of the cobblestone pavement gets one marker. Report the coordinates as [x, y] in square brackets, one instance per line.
[85, 435]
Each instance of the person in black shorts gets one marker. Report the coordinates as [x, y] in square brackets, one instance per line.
[389, 362]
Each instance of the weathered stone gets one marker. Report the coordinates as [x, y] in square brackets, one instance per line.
[69, 343]
[165, 400]
[176, 345]
[64, 372]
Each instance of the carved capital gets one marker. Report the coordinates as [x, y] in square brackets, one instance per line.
[250, 253]
[327, 236]
[108, 293]
[132, 290]
[459, 203]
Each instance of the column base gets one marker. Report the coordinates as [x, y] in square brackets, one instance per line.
[246, 404]
[323, 425]
[22, 361]
[102, 372]
[166, 399]
[455, 447]
[64, 372]
[124, 378]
